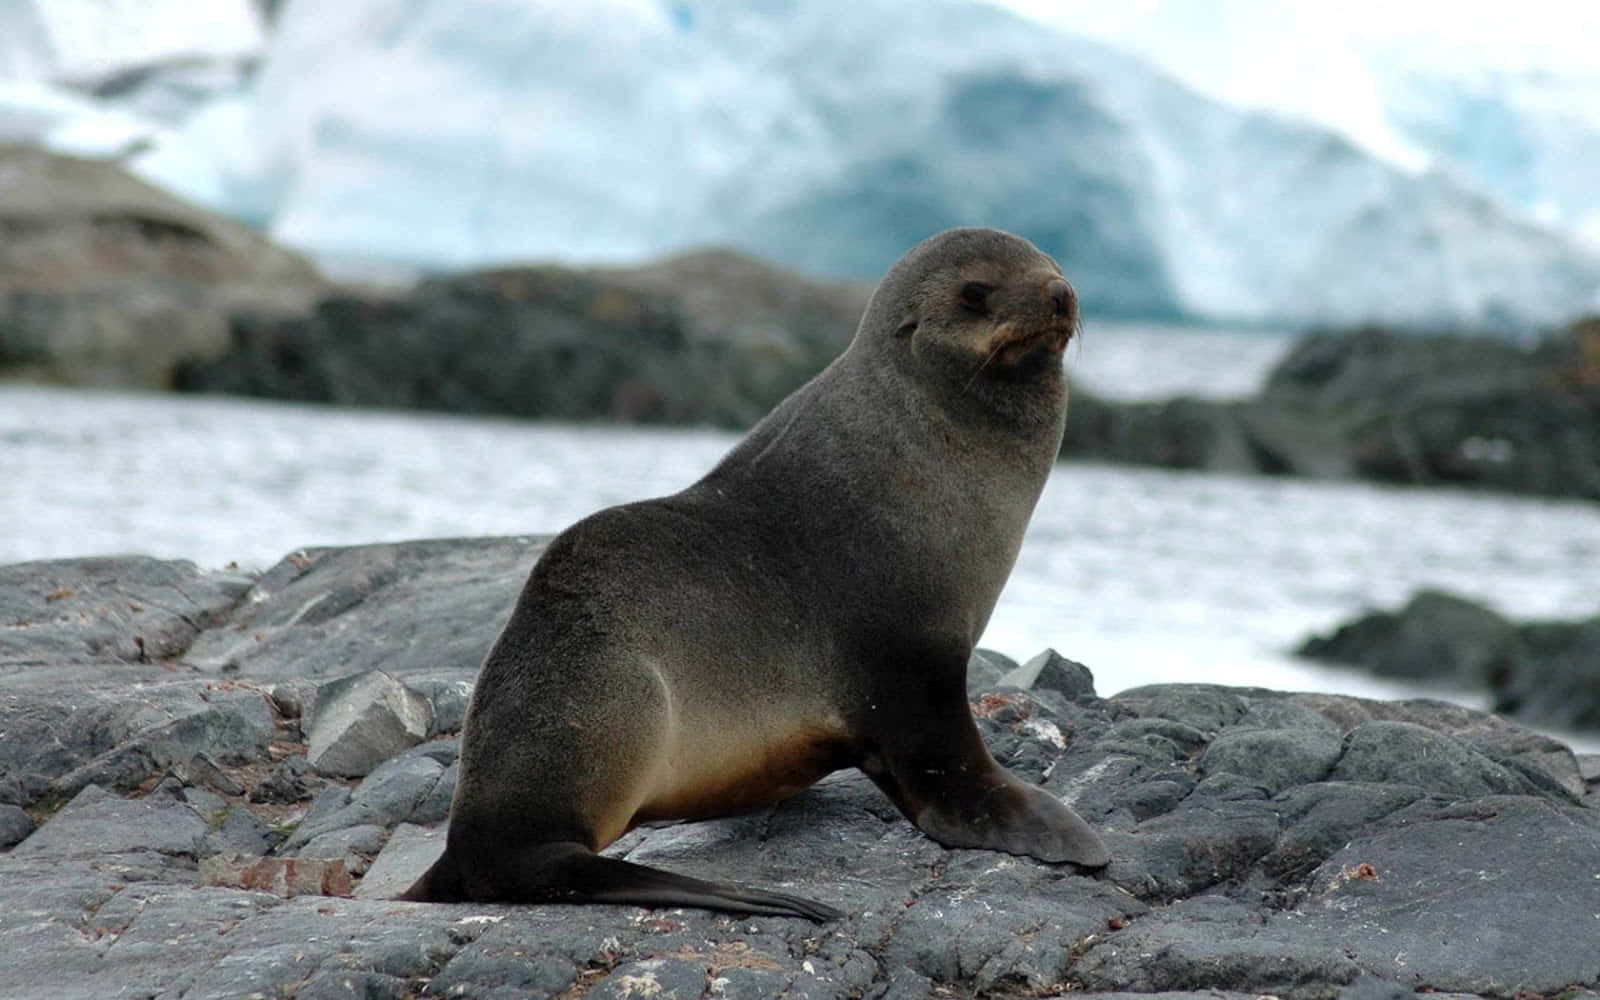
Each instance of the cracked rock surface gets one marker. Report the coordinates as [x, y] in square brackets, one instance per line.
[171, 839]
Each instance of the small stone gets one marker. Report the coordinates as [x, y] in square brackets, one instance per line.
[15, 825]
[201, 769]
[287, 783]
[244, 831]
[355, 844]
[1052, 672]
[363, 720]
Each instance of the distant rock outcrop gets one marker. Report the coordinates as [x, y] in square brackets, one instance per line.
[106, 280]
[171, 838]
[1547, 673]
[709, 337]
[1378, 404]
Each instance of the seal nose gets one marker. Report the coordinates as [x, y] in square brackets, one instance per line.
[1063, 296]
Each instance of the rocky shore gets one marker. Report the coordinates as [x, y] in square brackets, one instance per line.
[211, 783]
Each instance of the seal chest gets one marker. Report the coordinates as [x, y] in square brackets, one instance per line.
[809, 605]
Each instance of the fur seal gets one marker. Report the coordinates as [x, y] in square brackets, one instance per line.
[809, 605]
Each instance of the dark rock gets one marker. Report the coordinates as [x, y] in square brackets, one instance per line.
[1050, 671]
[435, 806]
[710, 337]
[1556, 680]
[1274, 759]
[244, 832]
[1436, 636]
[1377, 404]
[362, 721]
[15, 825]
[1406, 753]
[290, 781]
[1545, 672]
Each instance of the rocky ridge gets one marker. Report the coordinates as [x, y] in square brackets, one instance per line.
[106, 280]
[173, 838]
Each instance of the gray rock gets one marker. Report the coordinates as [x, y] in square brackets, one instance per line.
[125, 611]
[435, 807]
[15, 825]
[243, 831]
[409, 852]
[1406, 753]
[1273, 758]
[1545, 672]
[290, 781]
[663, 978]
[362, 721]
[1051, 671]
[447, 697]
[96, 822]
[428, 609]
[390, 794]
[985, 668]
[357, 845]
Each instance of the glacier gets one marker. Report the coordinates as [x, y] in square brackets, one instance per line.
[828, 136]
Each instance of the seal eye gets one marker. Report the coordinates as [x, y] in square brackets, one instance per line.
[975, 296]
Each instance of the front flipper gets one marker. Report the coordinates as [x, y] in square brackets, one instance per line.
[945, 781]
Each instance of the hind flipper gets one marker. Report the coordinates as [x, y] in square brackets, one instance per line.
[570, 872]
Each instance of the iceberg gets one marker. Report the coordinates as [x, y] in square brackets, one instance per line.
[828, 136]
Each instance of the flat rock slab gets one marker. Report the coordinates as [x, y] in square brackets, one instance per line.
[1303, 846]
[409, 609]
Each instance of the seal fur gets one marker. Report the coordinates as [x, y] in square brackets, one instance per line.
[809, 605]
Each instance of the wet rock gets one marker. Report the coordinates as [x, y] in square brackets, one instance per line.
[362, 721]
